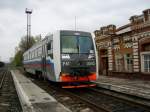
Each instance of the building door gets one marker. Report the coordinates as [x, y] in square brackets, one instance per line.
[105, 65]
[103, 62]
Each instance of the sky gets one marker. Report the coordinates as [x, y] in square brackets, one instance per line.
[51, 15]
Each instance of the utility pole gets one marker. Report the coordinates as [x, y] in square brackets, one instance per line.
[28, 12]
[75, 23]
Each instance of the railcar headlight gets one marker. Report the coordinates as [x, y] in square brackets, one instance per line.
[91, 56]
[65, 56]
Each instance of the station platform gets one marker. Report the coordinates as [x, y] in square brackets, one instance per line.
[134, 87]
[33, 98]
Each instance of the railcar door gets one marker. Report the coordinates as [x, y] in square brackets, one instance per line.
[43, 61]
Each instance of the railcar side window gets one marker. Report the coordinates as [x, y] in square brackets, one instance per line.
[36, 53]
[50, 49]
[39, 51]
[49, 46]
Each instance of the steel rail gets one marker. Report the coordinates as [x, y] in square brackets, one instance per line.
[94, 106]
[122, 97]
[2, 80]
[91, 103]
[98, 108]
[88, 101]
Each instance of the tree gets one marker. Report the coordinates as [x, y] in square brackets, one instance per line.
[18, 58]
[23, 47]
[23, 43]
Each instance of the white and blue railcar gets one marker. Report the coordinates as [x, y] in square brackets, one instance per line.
[65, 56]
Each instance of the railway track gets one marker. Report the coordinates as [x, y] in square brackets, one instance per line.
[2, 79]
[66, 98]
[130, 99]
[108, 102]
[95, 100]
[9, 101]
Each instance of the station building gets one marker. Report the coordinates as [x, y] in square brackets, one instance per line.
[125, 51]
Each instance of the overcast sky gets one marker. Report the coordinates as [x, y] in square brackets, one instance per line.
[51, 15]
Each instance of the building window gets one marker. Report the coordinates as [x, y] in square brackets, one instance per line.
[128, 62]
[118, 65]
[146, 62]
[119, 62]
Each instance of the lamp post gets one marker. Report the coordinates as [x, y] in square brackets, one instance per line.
[28, 12]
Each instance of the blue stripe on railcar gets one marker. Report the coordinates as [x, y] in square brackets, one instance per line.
[39, 63]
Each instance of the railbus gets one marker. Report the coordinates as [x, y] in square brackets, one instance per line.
[66, 57]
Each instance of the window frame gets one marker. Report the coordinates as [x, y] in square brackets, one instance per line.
[50, 51]
[126, 64]
[143, 62]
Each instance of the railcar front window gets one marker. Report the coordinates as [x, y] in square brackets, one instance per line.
[69, 44]
[86, 45]
[77, 44]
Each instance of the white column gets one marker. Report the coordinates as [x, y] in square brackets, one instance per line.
[135, 54]
[110, 58]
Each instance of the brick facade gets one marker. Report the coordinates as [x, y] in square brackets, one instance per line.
[125, 51]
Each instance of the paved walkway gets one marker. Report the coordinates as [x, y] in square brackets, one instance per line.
[134, 87]
[33, 98]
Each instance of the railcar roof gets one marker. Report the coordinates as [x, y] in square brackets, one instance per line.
[62, 32]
